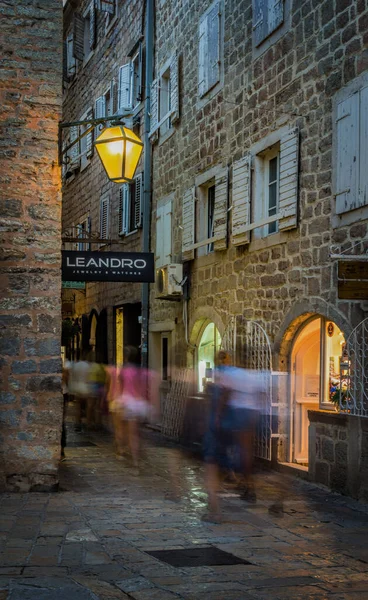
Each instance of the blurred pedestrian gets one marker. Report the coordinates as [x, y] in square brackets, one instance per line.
[80, 387]
[65, 389]
[116, 408]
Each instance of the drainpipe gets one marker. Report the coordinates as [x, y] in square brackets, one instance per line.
[149, 32]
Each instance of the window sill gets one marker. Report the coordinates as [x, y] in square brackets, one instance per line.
[125, 235]
[271, 240]
[350, 217]
[86, 61]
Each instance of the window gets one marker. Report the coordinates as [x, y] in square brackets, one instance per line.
[70, 60]
[266, 190]
[268, 15]
[104, 217]
[130, 83]
[163, 233]
[210, 49]
[351, 173]
[165, 99]
[84, 33]
[208, 347]
[109, 7]
[130, 210]
[267, 202]
[205, 214]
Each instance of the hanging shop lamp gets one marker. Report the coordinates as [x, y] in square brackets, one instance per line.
[119, 149]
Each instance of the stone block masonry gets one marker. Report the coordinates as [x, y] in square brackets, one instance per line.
[30, 206]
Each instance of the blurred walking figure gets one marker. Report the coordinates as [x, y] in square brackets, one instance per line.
[234, 401]
[97, 380]
[80, 387]
[139, 395]
[116, 408]
[65, 389]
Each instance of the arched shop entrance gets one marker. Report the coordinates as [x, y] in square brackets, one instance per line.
[210, 342]
[316, 356]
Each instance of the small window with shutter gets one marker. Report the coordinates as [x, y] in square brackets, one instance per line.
[165, 99]
[163, 233]
[105, 217]
[86, 141]
[268, 15]
[130, 205]
[71, 64]
[210, 49]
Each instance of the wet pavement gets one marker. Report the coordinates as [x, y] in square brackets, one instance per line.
[100, 537]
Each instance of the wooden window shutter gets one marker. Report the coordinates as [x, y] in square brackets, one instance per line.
[213, 47]
[220, 212]
[154, 111]
[348, 154]
[268, 15]
[363, 149]
[159, 258]
[140, 75]
[124, 197]
[124, 91]
[100, 112]
[89, 136]
[107, 6]
[241, 201]
[65, 61]
[138, 192]
[78, 37]
[167, 241]
[104, 218]
[113, 97]
[89, 231]
[188, 224]
[74, 152]
[92, 25]
[203, 57]
[174, 88]
[71, 64]
[289, 179]
[347, 168]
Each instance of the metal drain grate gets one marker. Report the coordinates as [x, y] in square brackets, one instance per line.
[79, 444]
[197, 557]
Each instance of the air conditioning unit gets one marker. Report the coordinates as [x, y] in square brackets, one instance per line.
[168, 280]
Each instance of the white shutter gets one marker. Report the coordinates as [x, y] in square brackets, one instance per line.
[78, 37]
[74, 152]
[188, 224]
[107, 6]
[213, 46]
[89, 136]
[289, 176]
[241, 201]
[100, 112]
[203, 57]
[112, 105]
[347, 167]
[140, 76]
[92, 25]
[220, 212]
[275, 15]
[154, 111]
[124, 93]
[159, 258]
[363, 150]
[104, 218]
[174, 88]
[124, 198]
[167, 241]
[138, 191]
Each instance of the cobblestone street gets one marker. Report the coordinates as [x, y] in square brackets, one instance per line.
[92, 539]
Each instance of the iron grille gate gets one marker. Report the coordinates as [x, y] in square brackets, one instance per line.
[250, 345]
[354, 381]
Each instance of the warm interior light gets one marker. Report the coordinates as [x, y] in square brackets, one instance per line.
[119, 149]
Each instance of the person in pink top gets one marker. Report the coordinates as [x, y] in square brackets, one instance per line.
[139, 395]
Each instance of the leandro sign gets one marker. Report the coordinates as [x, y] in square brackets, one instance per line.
[108, 266]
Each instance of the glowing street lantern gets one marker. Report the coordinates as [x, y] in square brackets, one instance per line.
[119, 149]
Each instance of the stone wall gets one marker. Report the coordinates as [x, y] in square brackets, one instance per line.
[82, 193]
[292, 82]
[30, 400]
[338, 452]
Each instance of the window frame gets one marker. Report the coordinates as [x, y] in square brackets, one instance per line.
[128, 213]
[274, 36]
[87, 34]
[163, 209]
[211, 92]
[260, 192]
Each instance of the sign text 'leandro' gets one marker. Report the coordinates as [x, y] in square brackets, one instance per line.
[108, 266]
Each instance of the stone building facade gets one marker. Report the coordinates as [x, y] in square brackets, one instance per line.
[31, 400]
[103, 75]
[260, 169]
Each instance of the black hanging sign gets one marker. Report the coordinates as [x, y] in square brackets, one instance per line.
[108, 266]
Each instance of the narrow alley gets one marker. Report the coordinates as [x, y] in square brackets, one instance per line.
[96, 537]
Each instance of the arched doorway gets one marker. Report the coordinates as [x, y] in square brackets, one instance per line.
[210, 342]
[315, 375]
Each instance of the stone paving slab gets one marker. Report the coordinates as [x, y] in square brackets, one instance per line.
[90, 541]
